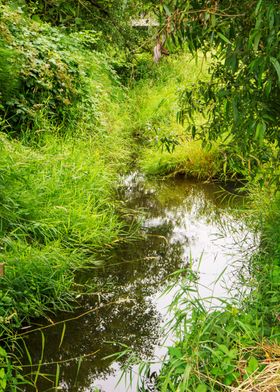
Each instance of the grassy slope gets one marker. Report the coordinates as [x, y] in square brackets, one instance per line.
[155, 104]
[57, 180]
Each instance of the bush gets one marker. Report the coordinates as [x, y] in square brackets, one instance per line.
[50, 74]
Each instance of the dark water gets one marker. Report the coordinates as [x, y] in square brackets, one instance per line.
[183, 223]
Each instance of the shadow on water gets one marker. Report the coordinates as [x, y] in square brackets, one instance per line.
[178, 217]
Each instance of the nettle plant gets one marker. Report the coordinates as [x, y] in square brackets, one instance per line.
[39, 70]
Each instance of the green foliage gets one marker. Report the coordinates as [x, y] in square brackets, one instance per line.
[55, 213]
[10, 377]
[215, 348]
[266, 263]
[189, 158]
[167, 150]
[51, 74]
[110, 18]
[56, 207]
[241, 100]
[9, 74]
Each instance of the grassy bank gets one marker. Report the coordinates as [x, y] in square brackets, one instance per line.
[165, 147]
[65, 140]
[56, 211]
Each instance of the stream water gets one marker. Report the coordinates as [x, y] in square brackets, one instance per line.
[181, 221]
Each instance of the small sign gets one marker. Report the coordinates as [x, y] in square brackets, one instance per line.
[2, 269]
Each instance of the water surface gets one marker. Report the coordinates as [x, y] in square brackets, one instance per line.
[185, 224]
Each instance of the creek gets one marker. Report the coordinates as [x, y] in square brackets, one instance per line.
[185, 224]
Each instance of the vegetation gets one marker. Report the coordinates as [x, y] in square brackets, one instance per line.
[165, 149]
[64, 140]
[79, 98]
[236, 345]
[241, 101]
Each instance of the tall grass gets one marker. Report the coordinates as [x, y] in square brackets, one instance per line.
[189, 158]
[154, 104]
[58, 206]
[56, 211]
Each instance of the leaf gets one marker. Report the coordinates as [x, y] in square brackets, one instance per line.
[201, 388]
[229, 379]
[276, 65]
[175, 352]
[271, 17]
[57, 375]
[258, 7]
[235, 110]
[224, 38]
[253, 365]
[257, 40]
[223, 348]
[187, 373]
[62, 335]
[260, 131]
[167, 10]
[78, 369]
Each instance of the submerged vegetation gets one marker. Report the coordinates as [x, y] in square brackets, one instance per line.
[80, 105]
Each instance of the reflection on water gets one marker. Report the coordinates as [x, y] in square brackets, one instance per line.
[179, 218]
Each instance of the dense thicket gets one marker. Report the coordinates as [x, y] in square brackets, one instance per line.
[45, 55]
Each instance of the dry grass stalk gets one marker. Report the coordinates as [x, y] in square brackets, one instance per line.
[268, 380]
[2, 269]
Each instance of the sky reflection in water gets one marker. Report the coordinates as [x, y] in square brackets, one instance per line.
[179, 218]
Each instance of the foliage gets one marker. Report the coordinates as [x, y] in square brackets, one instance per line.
[167, 150]
[110, 17]
[9, 376]
[55, 213]
[241, 100]
[189, 159]
[45, 70]
[266, 264]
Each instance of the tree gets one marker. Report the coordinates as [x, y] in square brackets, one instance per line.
[241, 101]
[111, 17]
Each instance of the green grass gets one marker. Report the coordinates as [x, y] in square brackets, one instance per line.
[154, 99]
[56, 211]
[154, 106]
[189, 158]
[58, 207]
[58, 178]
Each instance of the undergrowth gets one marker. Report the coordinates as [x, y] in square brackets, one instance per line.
[165, 147]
